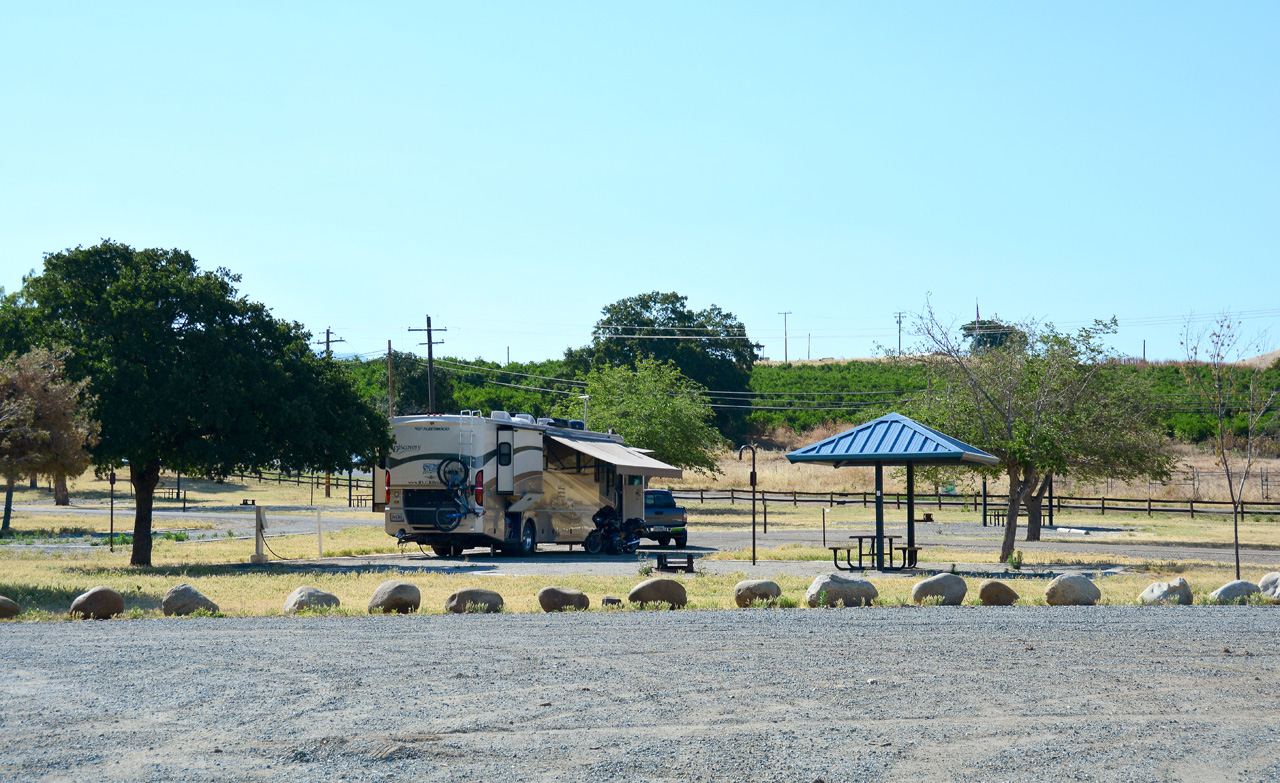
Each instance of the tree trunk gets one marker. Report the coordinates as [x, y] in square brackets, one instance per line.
[35, 481]
[144, 481]
[61, 497]
[1035, 505]
[8, 505]
[1011, 515]
[1020, 484]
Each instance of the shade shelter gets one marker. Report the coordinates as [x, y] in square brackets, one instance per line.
[892, 439]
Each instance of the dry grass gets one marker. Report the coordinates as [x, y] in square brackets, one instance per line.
[89, 490]
[45, 525]
[44, 587]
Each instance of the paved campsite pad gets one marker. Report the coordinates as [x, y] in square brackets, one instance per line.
[1026, 693]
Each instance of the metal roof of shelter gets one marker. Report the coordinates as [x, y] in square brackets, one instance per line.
[892, 439]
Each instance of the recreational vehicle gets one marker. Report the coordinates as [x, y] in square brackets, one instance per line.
[507, 481]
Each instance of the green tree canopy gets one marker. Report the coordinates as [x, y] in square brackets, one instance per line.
[189, 375]
[652, 406]
[1045, 403]
[710, 347]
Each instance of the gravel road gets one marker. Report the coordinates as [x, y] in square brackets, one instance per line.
[883, 694]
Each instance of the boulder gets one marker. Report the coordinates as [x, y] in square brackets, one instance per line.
[841, 590]
[183, 600]
[749, 590]
[1234, 592]
[98, 604]
[994, 592]
[473, 599]
[9, 608]
[949, 587]
[659, 591]
[395, 596]
[1072, 590]
[610, 600]
[1270, 587]
[1174, 592]
[558, 599]
[309, 598]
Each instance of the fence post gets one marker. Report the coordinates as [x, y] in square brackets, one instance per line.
[1148, 505]
[1192, 504]
[731, 496]
[702, 497]
[795, 500]
[1104, 505]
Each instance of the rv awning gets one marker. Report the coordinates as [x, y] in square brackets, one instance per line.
[630, 462]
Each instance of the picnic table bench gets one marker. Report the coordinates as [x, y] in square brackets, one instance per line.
[671, 561]
[907, 559]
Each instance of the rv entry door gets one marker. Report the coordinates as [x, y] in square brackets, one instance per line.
[506, 463]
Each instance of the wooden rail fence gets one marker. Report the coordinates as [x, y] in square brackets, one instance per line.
[977, 501]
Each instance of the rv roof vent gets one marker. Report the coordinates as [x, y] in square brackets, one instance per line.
[500, 416]
[577, 424]
[546, 422]
[525, 417]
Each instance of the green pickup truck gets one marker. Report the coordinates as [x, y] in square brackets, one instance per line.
[664, 521]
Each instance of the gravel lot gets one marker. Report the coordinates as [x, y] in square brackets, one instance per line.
[1029, 693]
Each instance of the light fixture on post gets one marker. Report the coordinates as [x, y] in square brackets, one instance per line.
[584, 398]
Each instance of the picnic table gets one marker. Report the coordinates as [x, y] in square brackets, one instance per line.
[908, 553]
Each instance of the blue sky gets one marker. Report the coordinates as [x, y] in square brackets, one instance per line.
[512, 168]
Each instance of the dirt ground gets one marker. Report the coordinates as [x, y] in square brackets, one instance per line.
[936, 693]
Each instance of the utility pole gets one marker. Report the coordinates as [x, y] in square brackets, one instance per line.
[329, 340]
[431, 362]
[899, 315]
[809, 354]
[784, 334]
[391, 385]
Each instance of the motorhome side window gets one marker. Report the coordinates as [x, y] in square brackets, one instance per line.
[504, 454]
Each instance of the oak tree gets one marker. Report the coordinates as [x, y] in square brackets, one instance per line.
[190, 376]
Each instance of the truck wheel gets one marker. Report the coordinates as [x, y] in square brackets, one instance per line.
[442, 550]
[594, 543]
[681, 540]
[663, 540]
[528, 539]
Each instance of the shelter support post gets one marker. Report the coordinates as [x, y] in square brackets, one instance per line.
[984, 502]
[879, 516]
[1050, 500]
[911, 504]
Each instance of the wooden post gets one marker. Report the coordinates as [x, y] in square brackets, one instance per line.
[753, 497]
[259, 526]
[1192, 504]
[1104, 505]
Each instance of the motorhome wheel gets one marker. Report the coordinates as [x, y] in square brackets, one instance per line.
[528, 540]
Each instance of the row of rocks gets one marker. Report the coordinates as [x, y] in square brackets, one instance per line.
[400, 597]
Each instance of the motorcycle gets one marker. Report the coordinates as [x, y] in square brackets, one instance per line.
[613, 534]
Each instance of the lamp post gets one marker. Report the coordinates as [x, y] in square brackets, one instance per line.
[753, 496]
[111, 537]
[585, 399]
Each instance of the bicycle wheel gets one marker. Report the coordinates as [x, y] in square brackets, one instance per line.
[452, 472]
[447, 518]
